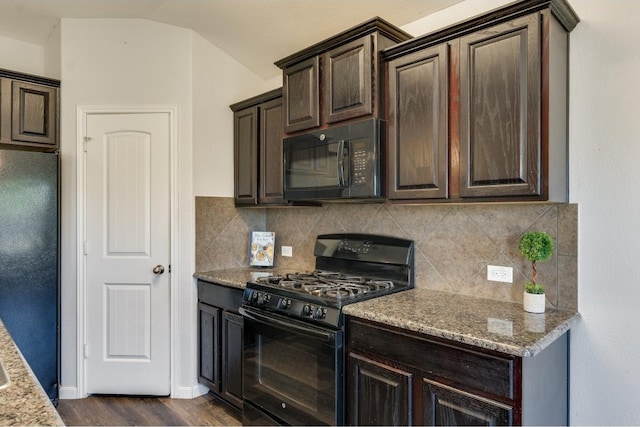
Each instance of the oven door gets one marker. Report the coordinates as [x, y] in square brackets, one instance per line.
[292, 369]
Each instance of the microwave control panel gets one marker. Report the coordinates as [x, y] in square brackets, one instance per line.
[359, 166]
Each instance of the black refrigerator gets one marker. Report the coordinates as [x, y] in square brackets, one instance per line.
[29, 259]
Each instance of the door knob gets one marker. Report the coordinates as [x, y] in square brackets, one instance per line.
[158, 269]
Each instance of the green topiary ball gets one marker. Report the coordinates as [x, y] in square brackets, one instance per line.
[536, 246]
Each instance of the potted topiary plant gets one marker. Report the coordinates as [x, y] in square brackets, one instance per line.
[535, 246]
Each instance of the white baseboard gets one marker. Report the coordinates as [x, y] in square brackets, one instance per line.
[69, 393]
[182, 392]
[190, 392]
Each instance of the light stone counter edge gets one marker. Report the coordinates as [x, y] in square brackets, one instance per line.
[489, 324]
[23, 402]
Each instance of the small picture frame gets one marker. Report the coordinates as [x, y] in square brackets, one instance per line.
[261, 248]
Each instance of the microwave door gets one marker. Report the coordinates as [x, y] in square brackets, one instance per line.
[313, 167]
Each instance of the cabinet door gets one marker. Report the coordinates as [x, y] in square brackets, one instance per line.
[232, 339]
[347, 80]
[417, 125]
[34, 113]
[246, 156]
[500, 141]
[301, 87]
[209, 345]
[447, 406]
[378, 394]
[271, 174]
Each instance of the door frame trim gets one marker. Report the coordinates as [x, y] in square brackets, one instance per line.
[82, 112]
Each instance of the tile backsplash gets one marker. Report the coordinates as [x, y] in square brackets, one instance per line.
[454, 243]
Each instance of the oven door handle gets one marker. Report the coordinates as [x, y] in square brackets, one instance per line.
[315, 332]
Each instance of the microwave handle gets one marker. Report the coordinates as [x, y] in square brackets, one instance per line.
[341, 180]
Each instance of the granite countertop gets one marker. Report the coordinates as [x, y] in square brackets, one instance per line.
[238, 277]
[485, 323]
[23, 402]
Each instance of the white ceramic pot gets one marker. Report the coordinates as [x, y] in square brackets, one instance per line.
[534, 303]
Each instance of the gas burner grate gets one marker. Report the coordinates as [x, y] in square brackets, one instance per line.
[328, 284]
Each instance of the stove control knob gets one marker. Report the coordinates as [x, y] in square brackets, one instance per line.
[320, 313]
[306, 310]
[284, 303]
[263, 298]
[253, 296]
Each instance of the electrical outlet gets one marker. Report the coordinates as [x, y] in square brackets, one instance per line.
[287, 251]
[497, 273]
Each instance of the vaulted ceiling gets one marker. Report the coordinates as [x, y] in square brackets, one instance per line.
[255, 32]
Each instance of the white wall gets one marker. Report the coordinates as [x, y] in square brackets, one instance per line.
[219, 81]
[52, 54]
[125, 62]
[110, 62]
[604, 147]
[16, 55]
[604, 158]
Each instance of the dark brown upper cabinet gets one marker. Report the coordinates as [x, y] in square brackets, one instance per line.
[417, 124]
[337, 79]
[28, 111]
[301, 83]
[347, 77]
[500, 100]
[478, 111]
[257, 124]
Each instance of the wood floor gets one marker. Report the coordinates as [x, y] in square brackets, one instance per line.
[147, 411]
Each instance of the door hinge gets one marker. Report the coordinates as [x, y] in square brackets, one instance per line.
[86, 351]
[84, 247]
[84, 143]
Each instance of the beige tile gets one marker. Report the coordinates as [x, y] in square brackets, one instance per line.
[504, 223]
[454, 243]
[568, 230]
[458, 249]
[352, 218]
[567, 282]
[418, 221]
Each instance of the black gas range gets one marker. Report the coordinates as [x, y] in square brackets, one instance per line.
[294, 328]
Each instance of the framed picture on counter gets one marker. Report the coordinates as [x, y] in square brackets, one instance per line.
[261, 248]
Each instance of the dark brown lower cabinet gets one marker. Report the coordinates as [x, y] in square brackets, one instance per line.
[372, 381]
[232, 332]
[220, 341]
[397, 377]
[448, 406]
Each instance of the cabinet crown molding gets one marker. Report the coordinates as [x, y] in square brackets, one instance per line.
[30, 78]
[373, 25]
[560, 9]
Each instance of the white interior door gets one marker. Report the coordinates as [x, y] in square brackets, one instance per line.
[127, 229]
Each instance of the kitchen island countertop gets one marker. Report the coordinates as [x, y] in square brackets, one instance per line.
[23, 402]
[490, 324]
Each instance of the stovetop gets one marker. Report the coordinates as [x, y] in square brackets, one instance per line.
[349, 268]
[329, 285]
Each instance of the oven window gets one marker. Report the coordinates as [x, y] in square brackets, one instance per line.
[290, 375]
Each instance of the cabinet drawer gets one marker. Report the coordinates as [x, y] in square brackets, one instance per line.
[219, 295]
[449, 364]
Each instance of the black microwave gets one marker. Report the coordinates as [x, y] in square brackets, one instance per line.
[343, 162]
